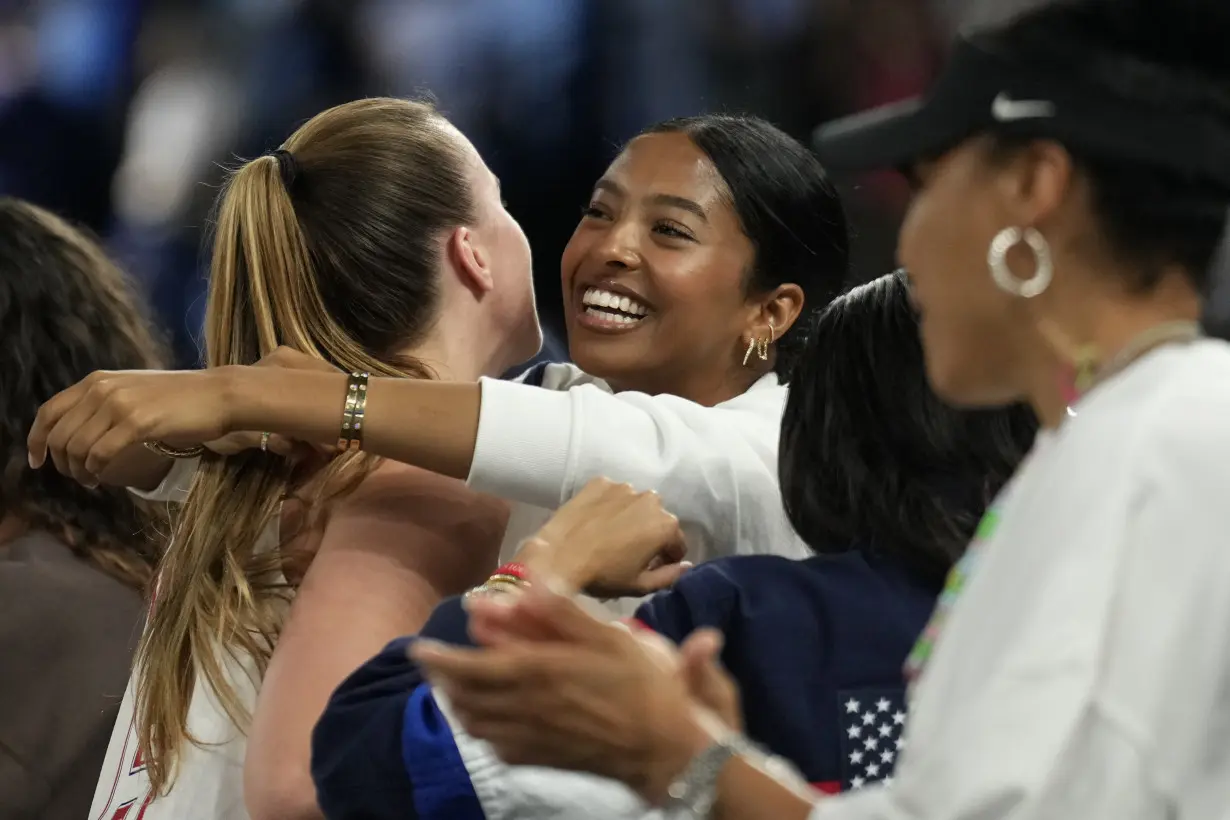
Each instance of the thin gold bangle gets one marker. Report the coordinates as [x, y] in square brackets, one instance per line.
[163, 449]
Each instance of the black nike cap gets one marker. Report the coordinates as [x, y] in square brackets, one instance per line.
[981, 90]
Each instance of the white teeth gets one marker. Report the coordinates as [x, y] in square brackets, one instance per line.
[608, 316]
[602, 298]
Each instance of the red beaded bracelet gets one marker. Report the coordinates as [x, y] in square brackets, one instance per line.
[513, 569]
[508, 576]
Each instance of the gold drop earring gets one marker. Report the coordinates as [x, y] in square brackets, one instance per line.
[760, 345]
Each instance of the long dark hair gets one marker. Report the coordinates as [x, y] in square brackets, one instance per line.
[870, 458]
[65, 311]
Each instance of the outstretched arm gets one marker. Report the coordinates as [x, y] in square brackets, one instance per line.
[713, 466]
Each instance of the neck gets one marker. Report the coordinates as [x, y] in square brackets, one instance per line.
[1108, 330]
[455, 357]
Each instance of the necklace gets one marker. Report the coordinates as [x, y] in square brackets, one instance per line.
[1089, 374]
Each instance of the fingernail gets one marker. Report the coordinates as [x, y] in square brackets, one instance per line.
[30, 458]
[425, 648]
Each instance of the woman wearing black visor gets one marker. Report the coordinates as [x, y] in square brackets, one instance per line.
[1072, 174]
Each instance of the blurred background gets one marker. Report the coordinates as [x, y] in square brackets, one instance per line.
[121, 114]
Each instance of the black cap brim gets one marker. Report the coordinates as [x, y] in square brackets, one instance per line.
[983, 90]
[891, 136]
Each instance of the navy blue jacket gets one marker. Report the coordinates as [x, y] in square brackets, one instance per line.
[816, 647]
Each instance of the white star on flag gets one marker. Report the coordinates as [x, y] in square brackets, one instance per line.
[874, 721]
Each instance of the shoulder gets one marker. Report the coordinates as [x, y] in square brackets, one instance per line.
[766, 588]
[1180, 418]
[97, 629]
[720, 591]
[778, 578]
[767, 395]
[399, 514]
[39, 574]
[399, 491]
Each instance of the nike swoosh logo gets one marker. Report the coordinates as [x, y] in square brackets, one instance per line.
[1006, 109]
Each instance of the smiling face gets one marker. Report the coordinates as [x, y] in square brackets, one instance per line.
[654, 275]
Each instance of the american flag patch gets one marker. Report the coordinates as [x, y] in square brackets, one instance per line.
[872, 735]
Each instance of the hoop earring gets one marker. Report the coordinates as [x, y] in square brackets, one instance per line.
[1002, 275]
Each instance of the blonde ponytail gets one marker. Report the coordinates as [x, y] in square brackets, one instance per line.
[378, 182]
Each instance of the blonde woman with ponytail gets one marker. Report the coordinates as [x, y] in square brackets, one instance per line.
[375, 241]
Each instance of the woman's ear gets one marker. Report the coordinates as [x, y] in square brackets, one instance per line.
[781, 309]
[470, 262]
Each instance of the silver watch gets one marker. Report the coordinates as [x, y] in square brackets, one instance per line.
[695, 791]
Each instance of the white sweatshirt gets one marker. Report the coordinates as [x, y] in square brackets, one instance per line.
[1085, 670]
[715, 467]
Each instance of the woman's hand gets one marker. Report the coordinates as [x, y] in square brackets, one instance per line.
[610, 541]
[598, 699]
[86, 426]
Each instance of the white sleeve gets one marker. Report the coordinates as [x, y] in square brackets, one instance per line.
[174, 485]
[715, 467]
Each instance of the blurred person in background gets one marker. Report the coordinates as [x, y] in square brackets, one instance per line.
[74, 562]
[1072, 186]
[883, 482]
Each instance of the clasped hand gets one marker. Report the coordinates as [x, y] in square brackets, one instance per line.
[610, 541]
[87, 426]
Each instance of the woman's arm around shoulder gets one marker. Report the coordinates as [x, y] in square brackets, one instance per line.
[388, 553]
[715, 467]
